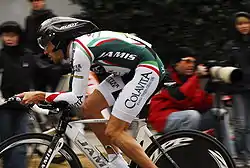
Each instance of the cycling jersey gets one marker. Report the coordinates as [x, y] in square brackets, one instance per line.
[120, 54]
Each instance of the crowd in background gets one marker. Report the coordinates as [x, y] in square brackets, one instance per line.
[181, 104]
[184, 104]
[25, 67]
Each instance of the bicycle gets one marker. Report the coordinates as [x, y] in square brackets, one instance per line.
[178, 149]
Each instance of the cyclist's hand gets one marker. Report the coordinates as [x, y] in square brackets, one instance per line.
[32, 97]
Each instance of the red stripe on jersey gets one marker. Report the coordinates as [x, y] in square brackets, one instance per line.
[52, 97]
[150, 67]
[110, 63]
[138, 43]
[104, 41]
[85, 48]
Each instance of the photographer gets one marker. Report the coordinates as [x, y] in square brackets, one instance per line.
[182, 102]
[237, 52]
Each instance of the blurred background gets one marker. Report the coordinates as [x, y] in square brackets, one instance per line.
[17, 10]
[202, 24]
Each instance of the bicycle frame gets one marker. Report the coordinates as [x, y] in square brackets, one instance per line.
[95, 156]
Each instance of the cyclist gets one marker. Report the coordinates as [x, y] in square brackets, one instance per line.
[136, 72]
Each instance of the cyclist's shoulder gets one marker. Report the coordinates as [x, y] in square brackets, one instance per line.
[93, 39]
[89, 39]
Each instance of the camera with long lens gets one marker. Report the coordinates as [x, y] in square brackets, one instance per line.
[218, 71]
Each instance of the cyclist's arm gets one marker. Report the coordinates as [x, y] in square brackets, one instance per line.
[81, 68]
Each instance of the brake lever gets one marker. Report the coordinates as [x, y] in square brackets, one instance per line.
[14, 98]
[11, 99]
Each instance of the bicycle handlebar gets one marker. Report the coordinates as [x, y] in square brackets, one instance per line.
[33, 107]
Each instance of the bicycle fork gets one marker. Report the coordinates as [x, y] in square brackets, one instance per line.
[55, 145]
[51, 151]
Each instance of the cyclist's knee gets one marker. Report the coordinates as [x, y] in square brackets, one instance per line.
[112, 133]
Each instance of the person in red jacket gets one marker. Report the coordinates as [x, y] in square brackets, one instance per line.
[181, 102]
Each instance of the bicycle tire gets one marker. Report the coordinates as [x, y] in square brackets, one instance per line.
[190, 149]
[42, 139]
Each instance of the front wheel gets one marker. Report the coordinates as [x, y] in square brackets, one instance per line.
[190, 149]
[27, 145]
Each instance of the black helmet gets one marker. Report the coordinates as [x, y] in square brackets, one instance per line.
[10, 26]
[60, 30]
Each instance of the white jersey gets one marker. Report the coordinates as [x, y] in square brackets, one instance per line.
[119, 53]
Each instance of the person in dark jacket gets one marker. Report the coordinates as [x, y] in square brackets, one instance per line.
[237, 52]
[17, 64]
[47, 74]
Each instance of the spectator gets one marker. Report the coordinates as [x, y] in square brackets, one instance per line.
[237, 52]
[16, 63]
[181, 102]
[47, 74]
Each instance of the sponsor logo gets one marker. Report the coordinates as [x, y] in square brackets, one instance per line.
[140, 90]
[112, 82]
[123, 55]
[47, 157]
[77, 68]
[68, 26]
[90, 151]
[79, 101]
